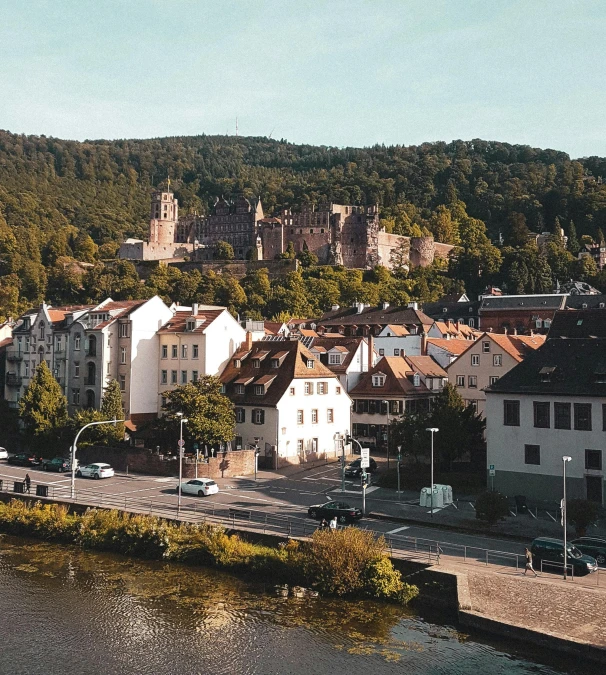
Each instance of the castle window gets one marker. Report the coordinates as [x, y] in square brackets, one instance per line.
[311, 231]
[322, 231]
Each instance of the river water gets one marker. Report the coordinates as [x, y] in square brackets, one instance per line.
[64, 610]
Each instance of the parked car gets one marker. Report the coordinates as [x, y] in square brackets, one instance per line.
[354, 470]
[596, 548]
[199, 486]
[24, 459]
[551, 553]
[59, 464]
[99, 470]
[344, 512]
[3, 453]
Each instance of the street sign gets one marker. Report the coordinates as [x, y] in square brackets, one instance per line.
[491, 471]
[181, 443]
[365, 458]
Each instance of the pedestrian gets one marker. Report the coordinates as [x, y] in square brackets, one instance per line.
[529, 563]
[28, 482]
[323, 524]
[333, 524]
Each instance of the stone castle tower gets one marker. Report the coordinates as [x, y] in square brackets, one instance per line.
[163, 217]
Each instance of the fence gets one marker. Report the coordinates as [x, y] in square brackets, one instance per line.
[417, 549]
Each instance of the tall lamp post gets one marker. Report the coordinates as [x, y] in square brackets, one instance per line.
[565, 461]
[433, 430]
[75, 446]
[182, 420]
[387, 434]
[399, 460]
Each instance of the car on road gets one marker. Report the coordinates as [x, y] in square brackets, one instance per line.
[551, 553]
[344, 512]
[596, 548]
[98, 470]
[354, 470]
[59, 464]
[199, 486]
[3, 453]
[24, 459]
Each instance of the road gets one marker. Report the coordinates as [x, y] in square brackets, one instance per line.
[274, 494]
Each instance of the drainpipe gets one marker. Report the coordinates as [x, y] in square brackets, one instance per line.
[277, 437]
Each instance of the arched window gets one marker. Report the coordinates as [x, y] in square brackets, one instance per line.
[91, 373]
[40, 354]
[42, 330]
[90, 398]
[92, 346]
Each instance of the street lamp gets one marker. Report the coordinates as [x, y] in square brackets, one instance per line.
[75, 446]
[257, 451]
[399, 459]
[433, 430]
[387, 434]
[565, 461]
[182, 420]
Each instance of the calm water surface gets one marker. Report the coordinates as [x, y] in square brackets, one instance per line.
[63, 610]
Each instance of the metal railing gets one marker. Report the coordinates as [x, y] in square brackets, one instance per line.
[417, 549]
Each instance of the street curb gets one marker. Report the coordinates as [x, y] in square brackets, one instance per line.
[445, 526]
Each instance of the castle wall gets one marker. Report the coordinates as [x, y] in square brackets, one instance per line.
[237, 268]
[142, 250]
[387, 242]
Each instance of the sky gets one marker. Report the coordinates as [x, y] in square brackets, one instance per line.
[324, 72]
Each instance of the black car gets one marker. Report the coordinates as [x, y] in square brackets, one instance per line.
[59, 464]
[551, 553]
[354, 470]
[344, 512]
[596, 548]
[24, 459]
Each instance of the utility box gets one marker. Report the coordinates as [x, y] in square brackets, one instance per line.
[438, 499]
[446, 491]
[19, 487]
[424, 497]
[41, 490]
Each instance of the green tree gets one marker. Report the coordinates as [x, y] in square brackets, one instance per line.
[43, 407]
[307, 258]
[224, 251]
[399, 258]
[582, 513]
[85, 248]
[210, 414]
[289, 254]
[518, 230]
[573, 242]
[112, 409]
[491, 507]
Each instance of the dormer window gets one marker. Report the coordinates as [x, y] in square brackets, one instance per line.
[275, 363]
[223, 389]
[334, 359]
[237, 363]
[311, 363]
[378, 380]
[259, 390]
[546, 372]
[256, 363]
[240, 389]
[416, 380]
[190, 325]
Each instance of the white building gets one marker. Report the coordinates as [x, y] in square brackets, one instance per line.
[196, 341]
[287, 402]
[551, 405]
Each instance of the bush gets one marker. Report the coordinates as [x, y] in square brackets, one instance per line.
[581, 513]
[491, 507]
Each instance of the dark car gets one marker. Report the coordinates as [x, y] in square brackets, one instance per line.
[59, 464]
[24, 459]
[354, 469]
[344, 512]
[596, 548]
[551, 553]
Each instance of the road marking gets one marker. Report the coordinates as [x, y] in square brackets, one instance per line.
[398, 529]
[164, 480]
[335, 480]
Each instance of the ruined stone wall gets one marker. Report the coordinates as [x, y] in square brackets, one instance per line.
[422, 251]
[237, 268]
[387, 242]
[142, 250]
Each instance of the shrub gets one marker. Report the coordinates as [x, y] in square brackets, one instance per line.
[581, 513]
[491, 507]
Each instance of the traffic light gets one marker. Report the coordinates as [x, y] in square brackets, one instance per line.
[347, 439]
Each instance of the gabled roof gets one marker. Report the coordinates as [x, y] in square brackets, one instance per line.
[276, 380]
[517, 346]
[398, 381]
[522, 302]
[349, 316]
[178, 322]
[117, 309]
[426, 366]
[349, 344]
[452, 346]
[398, 331]
[578, 366]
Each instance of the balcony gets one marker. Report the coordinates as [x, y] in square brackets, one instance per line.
[14, 355]
[13, 380]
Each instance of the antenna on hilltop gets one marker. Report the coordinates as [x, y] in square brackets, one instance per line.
[236, 127]
[271, 132]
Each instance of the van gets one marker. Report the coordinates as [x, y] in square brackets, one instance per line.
[551, 553]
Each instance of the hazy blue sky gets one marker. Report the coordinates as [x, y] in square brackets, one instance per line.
[333, 72]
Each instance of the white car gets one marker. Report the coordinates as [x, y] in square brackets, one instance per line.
[99, 470]
[199, 486]
[3, 453]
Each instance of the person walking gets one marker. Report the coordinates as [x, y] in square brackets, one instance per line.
[28, 482]
[333, 524]
[529, 563]
[324, 524]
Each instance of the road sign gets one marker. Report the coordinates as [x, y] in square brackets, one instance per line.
[491, 471]
[365, 458]
[181, 443]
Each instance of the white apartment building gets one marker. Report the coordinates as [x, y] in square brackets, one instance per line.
[196, 341]
[287, 403]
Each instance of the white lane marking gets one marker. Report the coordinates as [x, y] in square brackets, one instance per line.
[320, 473]
[335, 480]
[164, 480]
[398, 529]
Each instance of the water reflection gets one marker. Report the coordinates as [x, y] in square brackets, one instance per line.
[67, 610]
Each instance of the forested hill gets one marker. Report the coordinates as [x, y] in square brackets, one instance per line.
[54, 193]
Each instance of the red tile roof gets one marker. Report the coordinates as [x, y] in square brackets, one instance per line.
[178, 322]
[398, 382]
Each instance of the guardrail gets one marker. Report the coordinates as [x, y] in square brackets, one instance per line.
[426, 551]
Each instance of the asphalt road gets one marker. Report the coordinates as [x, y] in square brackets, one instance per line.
[272, 494]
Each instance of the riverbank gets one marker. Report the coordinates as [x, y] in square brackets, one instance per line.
[346, 563]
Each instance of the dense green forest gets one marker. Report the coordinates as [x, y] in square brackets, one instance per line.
[66, 201]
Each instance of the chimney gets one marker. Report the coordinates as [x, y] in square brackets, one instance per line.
[371, 351]
[413, 305]
[248, 341]
[384, 305]
[194, 309]
[424, 344]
